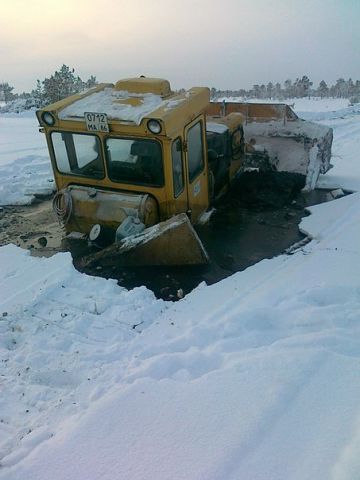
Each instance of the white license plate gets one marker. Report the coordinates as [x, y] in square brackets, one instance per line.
[96, 122]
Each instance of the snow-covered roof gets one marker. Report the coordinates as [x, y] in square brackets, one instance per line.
[118, 105]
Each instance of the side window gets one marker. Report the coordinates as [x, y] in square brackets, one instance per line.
[177, 167]
[78, 154]
[137, 161]
[195, 151]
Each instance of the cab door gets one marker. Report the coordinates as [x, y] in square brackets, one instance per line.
[196, 168]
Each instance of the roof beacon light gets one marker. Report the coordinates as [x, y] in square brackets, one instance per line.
[48, 118]
[154, 126]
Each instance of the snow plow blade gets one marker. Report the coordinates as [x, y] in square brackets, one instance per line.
[172, 242]
[293, 145]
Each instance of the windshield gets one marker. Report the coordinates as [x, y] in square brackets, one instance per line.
[78, 154]
[135, 161]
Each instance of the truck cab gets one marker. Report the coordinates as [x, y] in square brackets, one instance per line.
[133, 148]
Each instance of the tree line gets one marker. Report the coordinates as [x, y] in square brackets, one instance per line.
[59, 85]
[65, 82]
[298, 88]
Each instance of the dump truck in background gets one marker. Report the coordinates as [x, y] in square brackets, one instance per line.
[136, 165]
[292, 144]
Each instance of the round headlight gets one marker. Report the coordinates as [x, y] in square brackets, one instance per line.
[48, 118]
[154, 126]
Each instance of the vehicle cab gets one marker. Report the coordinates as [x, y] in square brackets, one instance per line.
[133, 148]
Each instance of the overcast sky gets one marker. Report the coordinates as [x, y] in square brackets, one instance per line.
[221, 43]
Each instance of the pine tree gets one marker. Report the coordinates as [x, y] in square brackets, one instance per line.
[6, 92]
[340, 88]
[257, 91]
[38, 95]
[306, 85]
[278, 91]
[64, 83]
[91, 82]
[323, 90]
[288, 88]
[270, 90]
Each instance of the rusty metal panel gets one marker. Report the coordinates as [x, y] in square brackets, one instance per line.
[253, 112]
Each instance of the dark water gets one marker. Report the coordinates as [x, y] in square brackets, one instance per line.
[258, 219]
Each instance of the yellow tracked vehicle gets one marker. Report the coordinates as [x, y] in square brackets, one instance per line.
[136, 165]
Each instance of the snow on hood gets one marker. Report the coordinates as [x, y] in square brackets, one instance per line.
[114, 104]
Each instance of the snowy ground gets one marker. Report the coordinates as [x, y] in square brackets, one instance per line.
[25, 169]
[256, 377]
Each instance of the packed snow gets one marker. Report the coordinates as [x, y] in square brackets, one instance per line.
[256, 377]
[25, 169]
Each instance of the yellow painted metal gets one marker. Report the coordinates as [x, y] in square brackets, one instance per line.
[107, 202]
[168, 205]
[108, 208]
[172, 242]
[158, 86]
[133, 101]
[253, 112]
[174, 113]
[234, 122]
[198, 187]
